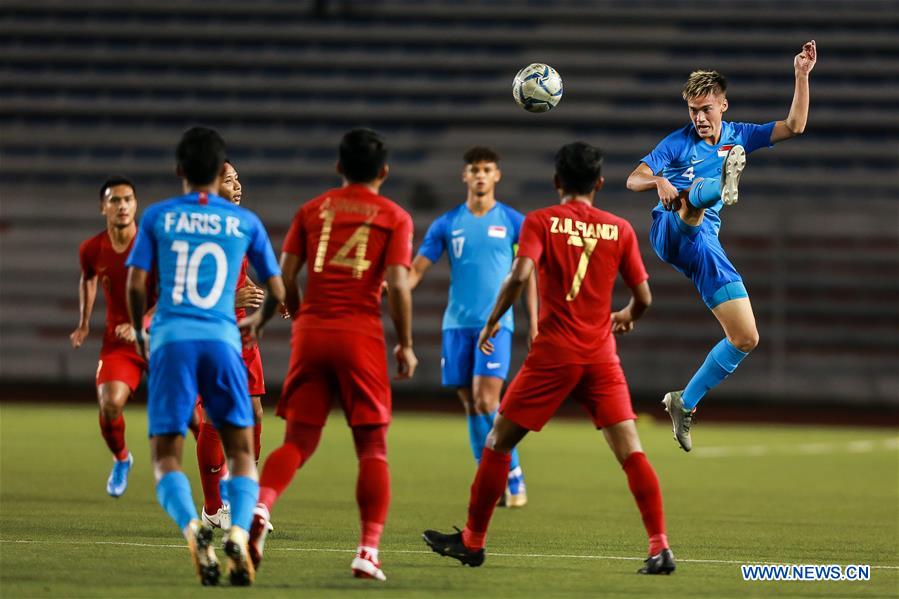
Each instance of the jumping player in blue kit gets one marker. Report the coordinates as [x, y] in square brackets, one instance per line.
[480, 238]
[696, 172]
[198, 241]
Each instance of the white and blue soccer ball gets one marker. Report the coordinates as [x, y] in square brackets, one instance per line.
[537, 87]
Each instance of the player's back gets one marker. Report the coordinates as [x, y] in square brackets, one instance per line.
[579, 250]
[198, 242]
[347, 237]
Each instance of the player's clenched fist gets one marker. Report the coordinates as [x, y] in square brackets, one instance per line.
[668, 194]
[805, 60]
[78, 336]
[406, 362]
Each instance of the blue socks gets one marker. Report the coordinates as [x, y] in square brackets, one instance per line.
[479, 426]
[721, 361]
[705, 193]
[173, 494]
[243, 492]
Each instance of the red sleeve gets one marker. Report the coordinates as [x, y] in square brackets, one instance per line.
[87, 255]
[295, 241]
[399, 248]
[530, 240]
[631, 266]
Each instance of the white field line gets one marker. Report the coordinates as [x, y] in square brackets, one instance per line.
[860, 446]
[425, 551]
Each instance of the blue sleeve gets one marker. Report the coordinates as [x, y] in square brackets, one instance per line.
[516, 218]
[752, 136]
[260, 252]
[143, 254]
[664, 153]
[434, 243]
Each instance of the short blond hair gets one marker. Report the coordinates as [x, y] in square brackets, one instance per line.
[703, 83]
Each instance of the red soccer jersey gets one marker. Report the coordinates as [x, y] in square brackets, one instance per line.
[99, 259]
[579, 251]
[348, 237]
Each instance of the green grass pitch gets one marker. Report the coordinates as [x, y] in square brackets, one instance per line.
[747, 494]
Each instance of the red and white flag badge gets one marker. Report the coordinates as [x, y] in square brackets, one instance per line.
[497, 231]
[723, 150]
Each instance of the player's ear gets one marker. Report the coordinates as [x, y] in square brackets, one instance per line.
[599, 183]
[556, 183]
[498, 176]
[723, 104]
[385, 170]
[339, 168]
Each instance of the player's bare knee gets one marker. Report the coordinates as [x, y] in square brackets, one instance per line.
[745, 342]
[485, 404]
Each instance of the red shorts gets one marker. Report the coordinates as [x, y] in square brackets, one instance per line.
[537, 392]
[121, 364]
[255, 378]
[325, 363]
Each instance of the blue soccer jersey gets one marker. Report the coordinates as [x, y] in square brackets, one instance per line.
[480, 251]
[683, 156]
[198, 242]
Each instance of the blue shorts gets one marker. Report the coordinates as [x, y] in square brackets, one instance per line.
[181, 370]
[697, 253]
[462, 360]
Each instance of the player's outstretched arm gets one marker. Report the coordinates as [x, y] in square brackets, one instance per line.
[795, 123]
[513, 285]
[623, 320]
[643, 179]
[399, 304]
[419, 267]
[136, 294]
[87, 293]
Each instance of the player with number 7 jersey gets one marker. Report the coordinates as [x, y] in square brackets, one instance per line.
[578, 250]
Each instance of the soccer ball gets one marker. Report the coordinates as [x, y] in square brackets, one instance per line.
[537, 87]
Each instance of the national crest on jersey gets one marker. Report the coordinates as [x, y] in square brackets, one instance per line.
[480, 250]
[198, 242]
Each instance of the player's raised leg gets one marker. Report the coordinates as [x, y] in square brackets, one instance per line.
[489, 484]
[644, 485]
[741, 337]
[112, 396]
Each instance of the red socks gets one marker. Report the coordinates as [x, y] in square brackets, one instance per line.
[486, 490]
[113, 432]
[211, 459]
[644, 485]
[300, 442]
[196, 422]
[373, 483]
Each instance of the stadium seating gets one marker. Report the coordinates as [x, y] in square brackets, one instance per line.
[92, 88]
